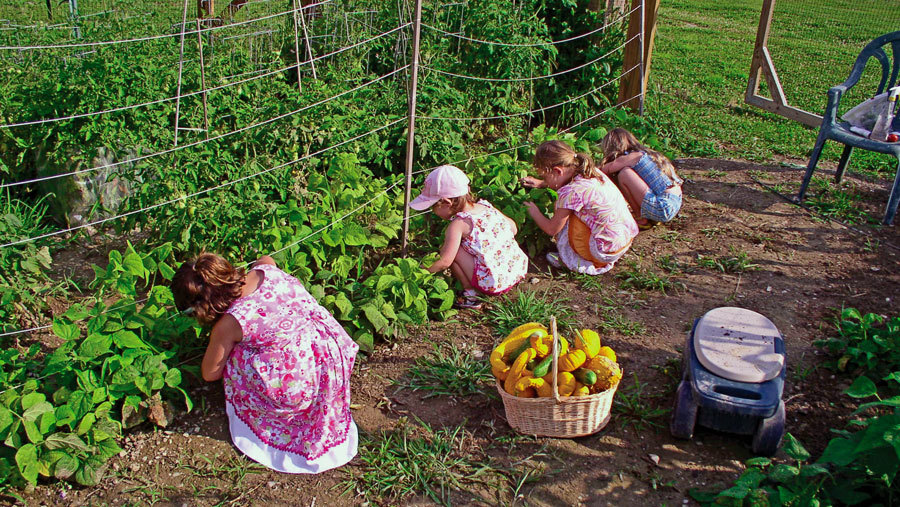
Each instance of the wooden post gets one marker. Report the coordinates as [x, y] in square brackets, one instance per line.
[180, 72]
[761, 66]
[410, 140]
[73, 13]
[203, 81]
[634, 84]
[297, 46]
[309, 52]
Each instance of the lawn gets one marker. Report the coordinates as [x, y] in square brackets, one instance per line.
[701, 64]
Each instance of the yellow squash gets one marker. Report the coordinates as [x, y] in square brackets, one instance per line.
[608, 353]
[608, 374]
[581, 390]
[540, 342]
[572, 360]
[517, 369]
[588, 341]
[500, 355]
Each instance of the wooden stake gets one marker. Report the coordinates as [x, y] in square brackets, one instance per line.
[634, 85]
[413, 87]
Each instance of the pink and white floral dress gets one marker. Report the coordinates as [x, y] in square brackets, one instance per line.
[287, 382]
[500, 262]
[601, 206]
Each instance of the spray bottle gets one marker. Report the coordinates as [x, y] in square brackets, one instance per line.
[886, 116]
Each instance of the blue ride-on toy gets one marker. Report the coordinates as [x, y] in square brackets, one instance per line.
[734, 366]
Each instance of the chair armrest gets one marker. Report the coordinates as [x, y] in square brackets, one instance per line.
[834, 99]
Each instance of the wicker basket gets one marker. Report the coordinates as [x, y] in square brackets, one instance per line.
[563, 417]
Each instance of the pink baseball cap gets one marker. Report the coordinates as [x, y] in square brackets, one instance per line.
[445, 182]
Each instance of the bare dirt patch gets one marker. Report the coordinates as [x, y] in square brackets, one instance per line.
[798, 271]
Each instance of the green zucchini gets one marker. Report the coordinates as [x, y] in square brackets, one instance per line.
[585, 376]
[543, 367]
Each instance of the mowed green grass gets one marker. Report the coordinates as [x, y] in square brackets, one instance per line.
[701, 65]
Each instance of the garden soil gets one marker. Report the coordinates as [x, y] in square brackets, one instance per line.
[806, 269]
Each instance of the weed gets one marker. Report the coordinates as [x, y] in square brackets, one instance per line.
[528, 306]
[714, 173]
[643, 279]
[871, 245]
[738, 262]
[448, 371]
[633, 409]
[669, 263]
[832, 201]
[710, 232]
[672, 371]
[397, 464]
[756, 174]
[672, 236]
[611, 319]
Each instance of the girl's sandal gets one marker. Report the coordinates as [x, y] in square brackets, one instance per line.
[467, 304]
[648, 225]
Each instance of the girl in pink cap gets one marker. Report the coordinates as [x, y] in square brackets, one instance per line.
[480, 243]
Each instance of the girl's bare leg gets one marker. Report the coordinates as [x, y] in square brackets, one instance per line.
[463, 268]
[634, 189]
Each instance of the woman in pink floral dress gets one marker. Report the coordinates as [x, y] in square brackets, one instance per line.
[480, 243]
[285, 361]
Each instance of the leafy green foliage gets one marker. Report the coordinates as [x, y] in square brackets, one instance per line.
[864, 343]
[61, 414]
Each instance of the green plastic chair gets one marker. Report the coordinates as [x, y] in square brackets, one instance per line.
[840, 131]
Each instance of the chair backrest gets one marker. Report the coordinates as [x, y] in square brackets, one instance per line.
[875, 49]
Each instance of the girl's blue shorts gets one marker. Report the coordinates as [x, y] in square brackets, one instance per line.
[660, 207]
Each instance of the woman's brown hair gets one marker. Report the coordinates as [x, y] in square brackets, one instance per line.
[551, 154]
[207, 285]
[619, 140]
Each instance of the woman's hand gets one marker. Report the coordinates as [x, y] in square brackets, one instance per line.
[532, 182]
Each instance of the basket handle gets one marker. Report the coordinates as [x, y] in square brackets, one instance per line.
[555, 352]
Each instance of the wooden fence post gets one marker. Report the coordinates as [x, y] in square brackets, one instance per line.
[641, 23]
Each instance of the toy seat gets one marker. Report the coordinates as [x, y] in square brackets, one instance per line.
[733, 378]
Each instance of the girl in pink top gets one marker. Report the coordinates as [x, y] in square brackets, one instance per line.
[285, 361]
[480, 243]
[592, 224]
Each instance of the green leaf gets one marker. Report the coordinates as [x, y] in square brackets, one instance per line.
[758, 461]
[65, 466]
[794, 449]
[91, 471]
[32, 432]
[32, 399]
[66, 441]
[783, 473]
[128, 340]
[27, 461]
[134, 265]
[86, 423]
[166, 271]
[173, 377]
[37, 410]
[65, 332]
[375, 317]
[94, 346]
[862, 387]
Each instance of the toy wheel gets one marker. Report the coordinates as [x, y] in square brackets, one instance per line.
[684, 415]
[769, 432]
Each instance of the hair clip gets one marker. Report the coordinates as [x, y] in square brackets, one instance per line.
[188, 311]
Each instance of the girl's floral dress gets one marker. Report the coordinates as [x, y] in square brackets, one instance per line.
[500, 262]
[287, 382]
[600, 205]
